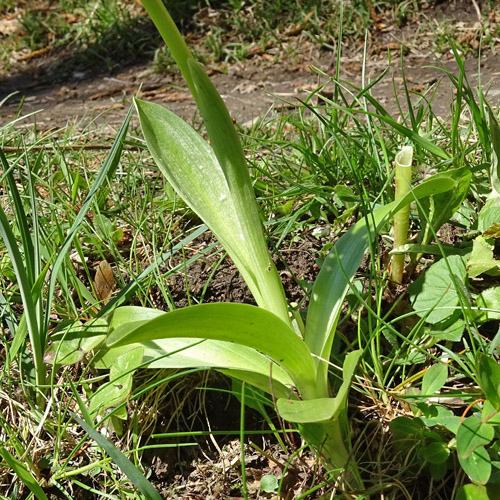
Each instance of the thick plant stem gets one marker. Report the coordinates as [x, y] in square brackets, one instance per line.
[402, 217]
[174, 40]
[329, 440]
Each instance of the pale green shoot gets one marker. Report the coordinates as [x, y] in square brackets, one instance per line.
[403, 170]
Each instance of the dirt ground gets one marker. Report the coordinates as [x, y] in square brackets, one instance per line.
[277, 77]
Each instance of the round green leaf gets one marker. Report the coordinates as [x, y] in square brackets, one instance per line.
[268, 483]
[477, 465]
[435, 377]
[436, 452]
[433, 294]
[472, 436]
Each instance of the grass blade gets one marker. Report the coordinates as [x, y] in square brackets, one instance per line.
[125, 465]
[115, 151]
[24, 474]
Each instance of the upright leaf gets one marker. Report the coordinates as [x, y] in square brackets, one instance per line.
[435, 377]
[489, 379]
[318, 410]
[193, 170]
[339, 267]
[438, 209]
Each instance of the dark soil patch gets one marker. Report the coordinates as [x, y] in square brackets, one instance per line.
[210, 280]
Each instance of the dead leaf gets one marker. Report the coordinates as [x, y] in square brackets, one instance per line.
[493, 231]
[8, 26]
[104, 282]
[69, 18]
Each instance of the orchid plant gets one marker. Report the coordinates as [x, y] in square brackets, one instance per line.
[260, 345]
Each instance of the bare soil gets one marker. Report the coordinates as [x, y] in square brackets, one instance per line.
[60, 90]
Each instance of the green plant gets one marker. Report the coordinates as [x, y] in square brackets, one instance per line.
[402, 218]
[261, 345]
[453, 306]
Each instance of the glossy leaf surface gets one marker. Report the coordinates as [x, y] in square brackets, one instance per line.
[238, 324]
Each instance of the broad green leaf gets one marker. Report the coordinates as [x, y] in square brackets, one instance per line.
[434, 378]
[489, 379]
[433, 412]
[477, 465]
[436, 452]
[450, 422]
[77, 340]
[126, 315]
[489, 300]
[472, 436]
[451, 329]
[119, 386]
[238, 361]
[404, 426]
[476, 492]
[342, 262]
[240, 324]
[249, 250]
[125, 465]
[433, 294]
[308, 411]
[23, 473]
[438, 471]
[317, 410]
[481, 259]
[192, 168]
[268, 483]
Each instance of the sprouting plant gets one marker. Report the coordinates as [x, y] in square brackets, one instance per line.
[402, 217]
